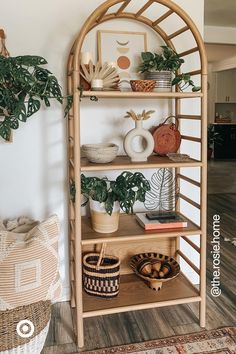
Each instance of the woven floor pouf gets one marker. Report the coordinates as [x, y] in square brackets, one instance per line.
[23, 330]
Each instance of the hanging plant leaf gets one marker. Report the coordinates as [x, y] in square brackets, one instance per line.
[41, 74]
[5, 129]
[46, 101]
[33, 106]
[29, 60]
[68, 105]
[164, 191]
[23, 85]
[13, 123]
[20, 111]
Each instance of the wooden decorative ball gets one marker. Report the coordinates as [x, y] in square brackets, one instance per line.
[145, 267]
[165, 270]
[156, 265]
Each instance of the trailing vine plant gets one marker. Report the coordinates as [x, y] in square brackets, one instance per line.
[24, 86]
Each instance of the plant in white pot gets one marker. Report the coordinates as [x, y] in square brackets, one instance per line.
[107, 197]
[162, 66]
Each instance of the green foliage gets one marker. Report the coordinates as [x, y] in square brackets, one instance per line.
[126, 189]
[24, 84]
[184, 81]
[213, 137]
[168, 60]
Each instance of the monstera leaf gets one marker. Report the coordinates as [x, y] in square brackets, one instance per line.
[164, 191]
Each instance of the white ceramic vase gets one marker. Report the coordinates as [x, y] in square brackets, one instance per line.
[101, 221]
[139, 131]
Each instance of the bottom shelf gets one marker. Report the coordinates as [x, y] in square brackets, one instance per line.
[135, 295]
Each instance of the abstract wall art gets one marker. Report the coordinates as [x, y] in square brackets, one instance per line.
[122, 49]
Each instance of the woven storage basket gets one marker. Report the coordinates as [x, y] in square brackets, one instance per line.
[101, 274]
[11, 342]
[142, 85]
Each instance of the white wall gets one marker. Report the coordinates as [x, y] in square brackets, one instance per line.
[33, 169]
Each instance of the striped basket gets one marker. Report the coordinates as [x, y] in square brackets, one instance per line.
[101, 274]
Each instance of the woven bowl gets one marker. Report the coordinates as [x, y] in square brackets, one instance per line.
[100, 153]
[142, 85]
[155, 283]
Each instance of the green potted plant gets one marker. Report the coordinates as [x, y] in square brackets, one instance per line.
[212, 138]
[107, 197]
[24, 85]
[160, 67]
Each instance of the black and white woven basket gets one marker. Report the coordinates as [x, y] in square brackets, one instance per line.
[101, 274]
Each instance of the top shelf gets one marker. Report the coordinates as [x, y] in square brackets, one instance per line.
[131, 94]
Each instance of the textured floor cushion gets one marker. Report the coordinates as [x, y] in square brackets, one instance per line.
[29, 269]
[17, 339]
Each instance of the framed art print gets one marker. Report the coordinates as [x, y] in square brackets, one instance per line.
[123, 50]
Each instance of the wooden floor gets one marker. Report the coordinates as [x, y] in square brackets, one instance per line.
[145, 325]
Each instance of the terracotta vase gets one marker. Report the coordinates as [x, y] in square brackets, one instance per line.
[101, 221]
[146, 135]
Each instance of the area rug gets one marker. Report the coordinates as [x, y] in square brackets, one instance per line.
[219, 341]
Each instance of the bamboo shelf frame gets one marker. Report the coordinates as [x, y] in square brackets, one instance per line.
[146, 95]
[180, 290]
[123, 162]
[130, 230]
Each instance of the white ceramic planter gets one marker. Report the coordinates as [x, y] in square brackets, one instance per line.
[146, 135]
[101, 221]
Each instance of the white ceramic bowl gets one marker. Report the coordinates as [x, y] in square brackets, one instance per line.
[100, 153]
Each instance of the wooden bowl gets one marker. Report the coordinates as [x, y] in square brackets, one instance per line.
[142, 85]
[100, 153]
[155, 283]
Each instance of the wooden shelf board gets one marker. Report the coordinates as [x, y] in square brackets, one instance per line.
[131, 94]
[123, 162]
[130, 230]
[136, 295]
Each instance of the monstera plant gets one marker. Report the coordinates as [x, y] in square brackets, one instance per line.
[24, 86]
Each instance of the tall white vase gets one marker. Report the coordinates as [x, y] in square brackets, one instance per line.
[146, 135]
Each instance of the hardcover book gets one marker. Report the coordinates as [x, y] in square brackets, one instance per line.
[178, 222]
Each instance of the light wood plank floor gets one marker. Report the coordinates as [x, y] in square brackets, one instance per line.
[145, 325]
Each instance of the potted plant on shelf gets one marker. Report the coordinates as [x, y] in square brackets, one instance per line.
[24, 84]
[212, 138]
[160, 67]
[107, 197]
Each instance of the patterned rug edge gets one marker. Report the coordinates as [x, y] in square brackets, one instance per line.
[168, 341]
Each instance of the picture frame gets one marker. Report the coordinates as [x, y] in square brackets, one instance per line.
[123, 50]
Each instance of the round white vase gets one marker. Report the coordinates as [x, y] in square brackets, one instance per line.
[138, 131]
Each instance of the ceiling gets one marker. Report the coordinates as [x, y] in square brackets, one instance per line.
[220, 13]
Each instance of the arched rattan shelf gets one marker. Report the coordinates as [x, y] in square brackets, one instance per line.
[99, 16]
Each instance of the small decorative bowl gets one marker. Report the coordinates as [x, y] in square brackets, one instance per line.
[100, 153]
[138, 261]
[142, 85]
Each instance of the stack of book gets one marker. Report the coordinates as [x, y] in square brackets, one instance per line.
[161, 220]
